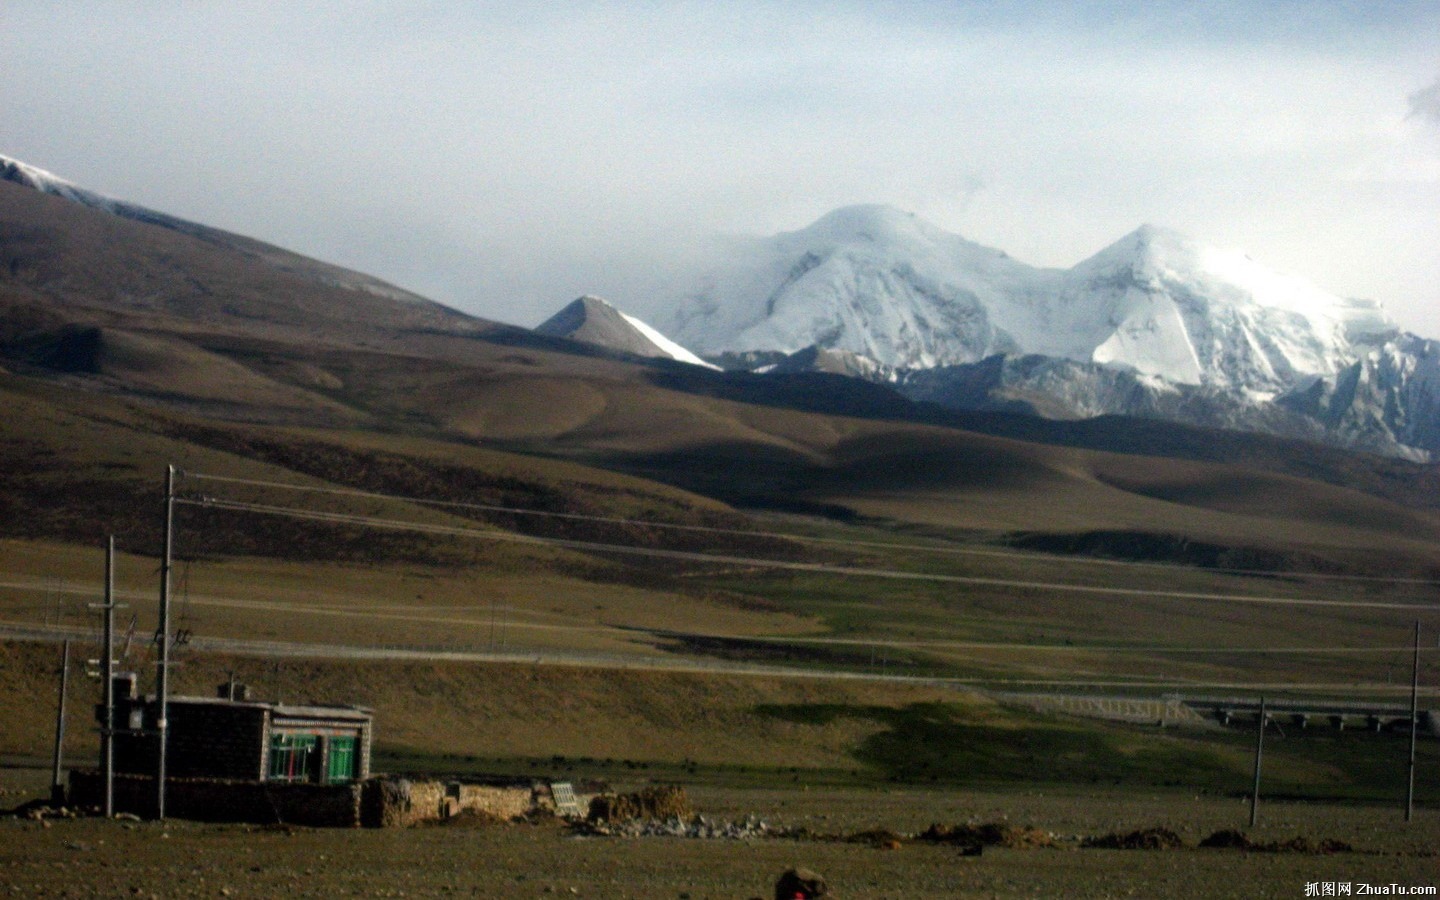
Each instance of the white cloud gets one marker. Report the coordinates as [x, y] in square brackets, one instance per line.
[507, 157]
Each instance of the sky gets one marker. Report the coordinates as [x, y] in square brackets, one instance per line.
[505, 158]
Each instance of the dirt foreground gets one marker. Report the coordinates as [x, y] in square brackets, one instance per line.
[95, 858]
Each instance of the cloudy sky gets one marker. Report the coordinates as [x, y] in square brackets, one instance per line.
[507, 157]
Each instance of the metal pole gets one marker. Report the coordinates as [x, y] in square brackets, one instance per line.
[57, 787]
[107, 670]
[1414, 724]
[1259, 752]
[162, 635]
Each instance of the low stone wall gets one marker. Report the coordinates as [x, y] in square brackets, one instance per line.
[218, 800]
[382, 802]
[398, 802]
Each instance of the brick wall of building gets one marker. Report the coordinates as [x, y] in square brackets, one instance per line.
[378, 803]
[214, 740]
[215, 800]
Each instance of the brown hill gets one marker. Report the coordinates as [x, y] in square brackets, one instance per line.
[218, 330]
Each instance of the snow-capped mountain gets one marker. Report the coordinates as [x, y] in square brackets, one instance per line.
[595, 321]
[868, 280]
[884, 284]
[1156, 324]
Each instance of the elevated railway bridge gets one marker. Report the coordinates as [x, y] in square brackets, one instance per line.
[1182, 710]
[1307, 713]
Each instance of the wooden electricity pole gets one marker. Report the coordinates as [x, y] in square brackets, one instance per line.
[57, 787]
[107, 672]
[106, 664]
[1259, 751]
[162, 638]
[1414, 724]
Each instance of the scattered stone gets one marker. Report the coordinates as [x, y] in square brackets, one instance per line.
[696, 827]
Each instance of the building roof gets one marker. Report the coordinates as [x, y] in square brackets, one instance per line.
[291, 711]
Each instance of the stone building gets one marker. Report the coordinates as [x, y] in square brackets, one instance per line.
[233, 759]
[232, 737]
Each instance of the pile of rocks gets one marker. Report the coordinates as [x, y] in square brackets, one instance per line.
[699, 827]
[39, 811]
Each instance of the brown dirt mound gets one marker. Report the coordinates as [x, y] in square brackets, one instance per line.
[880, 838]
[648, 803]
[990, 834]
[1145, 839]
[471, 818]
[1229, 839]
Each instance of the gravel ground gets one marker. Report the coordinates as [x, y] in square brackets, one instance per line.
[94, 858]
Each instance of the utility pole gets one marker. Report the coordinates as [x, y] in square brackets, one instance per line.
[162, 637]
[1259, 751]
[1414, 724]
[107, 674]
[57, 787]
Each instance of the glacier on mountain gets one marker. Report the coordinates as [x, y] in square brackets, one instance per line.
[1156, 324]
[868, 280]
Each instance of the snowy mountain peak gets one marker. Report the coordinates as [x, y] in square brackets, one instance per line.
[1149, 244]
[594, 320]
[885, 284]
[35, 178]
[1168, 306]
[1156, 311]
[869, 280]
[1154, 253]
[870, 222]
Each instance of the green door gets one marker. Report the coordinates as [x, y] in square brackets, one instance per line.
[341, 767]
